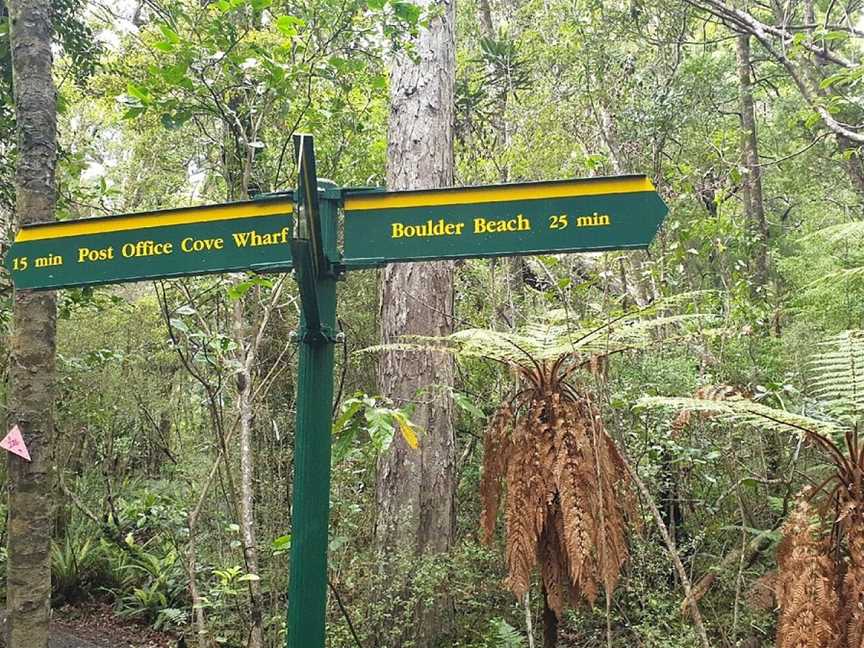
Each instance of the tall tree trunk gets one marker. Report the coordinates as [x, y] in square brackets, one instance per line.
[752, 184]
[415, 489]
[31, 392]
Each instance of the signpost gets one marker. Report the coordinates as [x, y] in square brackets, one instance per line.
[313, 260]
[251, 235]
[501, 220]
[379, 227]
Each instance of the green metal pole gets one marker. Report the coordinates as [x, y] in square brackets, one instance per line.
[307, 590]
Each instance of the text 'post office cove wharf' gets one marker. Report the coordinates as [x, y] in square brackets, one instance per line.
[299, 230]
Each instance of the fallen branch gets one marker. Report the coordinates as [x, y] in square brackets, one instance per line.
[756, 546]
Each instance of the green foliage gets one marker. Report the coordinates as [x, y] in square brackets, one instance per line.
[73, 565]
[503, 635]
[555, 334]
[366, 424]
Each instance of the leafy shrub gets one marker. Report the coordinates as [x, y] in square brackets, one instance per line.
[74, 565]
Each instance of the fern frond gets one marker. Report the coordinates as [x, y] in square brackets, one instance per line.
[538, 342]
[840, 275]
[554, 334]
[838, 372]
[839, 233]
[740, 411]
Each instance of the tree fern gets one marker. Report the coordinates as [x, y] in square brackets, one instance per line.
[840, 233]
[816, 609]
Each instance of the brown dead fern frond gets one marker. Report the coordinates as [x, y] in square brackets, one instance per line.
[497, 447]
[852, 588]
[806, 590]
[568, 496]
[524, 523]
[707, 392]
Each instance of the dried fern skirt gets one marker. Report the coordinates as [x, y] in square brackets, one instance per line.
[568, 495]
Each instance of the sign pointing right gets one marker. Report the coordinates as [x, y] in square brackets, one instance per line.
[501, 220]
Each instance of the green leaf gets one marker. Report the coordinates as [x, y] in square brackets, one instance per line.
[139, 92]
[288, 25]
[282, 543]
[464, 403]
[260, 5]
[342, 446]
[179, 324]
[835, 36]
[238, 290]
[171, 122]
[338, 63]
[249, 577]
[170, 35]
[349, 409]
[174, 74]
[407, 11]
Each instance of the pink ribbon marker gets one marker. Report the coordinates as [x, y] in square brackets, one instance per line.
[14, 443]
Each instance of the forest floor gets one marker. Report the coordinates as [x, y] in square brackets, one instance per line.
[95, 625]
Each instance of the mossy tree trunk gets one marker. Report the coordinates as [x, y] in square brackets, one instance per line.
[415, 489]
[31, 391]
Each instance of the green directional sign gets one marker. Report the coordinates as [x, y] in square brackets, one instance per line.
[501, 220]
[249, 235]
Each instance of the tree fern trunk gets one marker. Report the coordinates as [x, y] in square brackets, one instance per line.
[550, 625]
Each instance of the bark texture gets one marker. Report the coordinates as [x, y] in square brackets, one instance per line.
[415, 488]
[754, 206]
[31, 391]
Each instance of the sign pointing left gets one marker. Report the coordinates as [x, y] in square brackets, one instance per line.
[14, 443]
[248, 235]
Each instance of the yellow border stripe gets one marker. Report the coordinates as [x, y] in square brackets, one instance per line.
[504, 193]
[144, 220]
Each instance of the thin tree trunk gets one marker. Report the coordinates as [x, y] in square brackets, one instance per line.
[415, 488]
[854, 163]
[247, 471]
[641, 288]
[692, 603]
[32, 370]
[752, 184]
[512, 266]
[809, 13]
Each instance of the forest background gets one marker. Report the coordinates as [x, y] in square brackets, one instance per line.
[175, 407]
